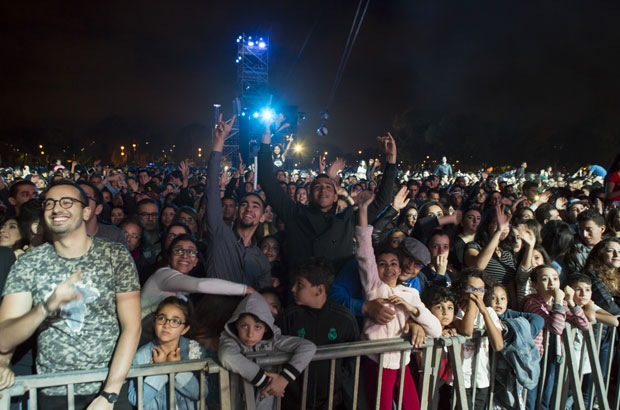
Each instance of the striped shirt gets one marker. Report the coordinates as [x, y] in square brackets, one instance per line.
[555, 318]
[502, 269]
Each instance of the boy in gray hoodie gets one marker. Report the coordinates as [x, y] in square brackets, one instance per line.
[251, 329]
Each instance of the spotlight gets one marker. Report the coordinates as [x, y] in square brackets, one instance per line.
[238, 40]
[261, 44]
[267, 115]
[251, 43]
[255, 115]
[243, 114]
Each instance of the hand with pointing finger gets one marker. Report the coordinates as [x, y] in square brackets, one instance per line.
[64, 293]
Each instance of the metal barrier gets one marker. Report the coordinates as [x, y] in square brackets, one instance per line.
[30, 384]
[233, 389]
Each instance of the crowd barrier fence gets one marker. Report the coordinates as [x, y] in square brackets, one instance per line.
[235, 393]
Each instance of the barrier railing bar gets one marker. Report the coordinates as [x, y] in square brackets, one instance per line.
[543, 371]
[140, 384]
[379, 377]
[426, 378]
[224, 380]
[32, 394]
[332, 380]
[611, 355]
[171, 398]
[203, 382]
[356, 381]
[573, 373]
[248, 393]
[493, 355]
[561, 376]
[597, 373]
[457, 372]
[304, 389]
[71, 396]
[473, 382]
[403, 367]
[436, 375]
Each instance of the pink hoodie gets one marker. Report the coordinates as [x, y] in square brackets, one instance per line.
[375, 288]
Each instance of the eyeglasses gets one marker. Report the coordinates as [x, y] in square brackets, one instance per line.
[189, 219]
[469, 288]
[65, 202]
[148, 215]
[131, 235]
[180, 252]
[174, 322]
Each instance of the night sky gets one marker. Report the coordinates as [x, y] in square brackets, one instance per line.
[542, 72]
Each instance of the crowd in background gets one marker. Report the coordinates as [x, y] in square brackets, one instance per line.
[339, 253]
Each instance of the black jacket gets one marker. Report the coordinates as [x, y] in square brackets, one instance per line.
[330, 325]
[311, 232]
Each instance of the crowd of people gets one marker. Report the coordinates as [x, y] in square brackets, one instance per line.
[105, 267]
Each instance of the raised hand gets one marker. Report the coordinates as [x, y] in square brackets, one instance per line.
[337, 166]
[503, 220]
[184, 169]
[364, 198]
[388, 145]
[526, 234]
[222, 129]
[64, 293]
[560, 202]
[321, 164]
[401, 200]
[441, 263]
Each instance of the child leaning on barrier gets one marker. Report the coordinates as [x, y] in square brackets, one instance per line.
[555, 307]
[252, 329]
[518, 365]
[379, 277]
[443, 304]
[170, 323]
[472, 292]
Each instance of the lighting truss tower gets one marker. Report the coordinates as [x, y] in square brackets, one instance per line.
[252, 86]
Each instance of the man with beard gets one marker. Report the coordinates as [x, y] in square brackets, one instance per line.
[233, 254]
[82, 296]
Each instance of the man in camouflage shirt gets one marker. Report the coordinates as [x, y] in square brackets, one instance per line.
[82, 295]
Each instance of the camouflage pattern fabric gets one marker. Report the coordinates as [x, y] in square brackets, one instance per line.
[83, 334]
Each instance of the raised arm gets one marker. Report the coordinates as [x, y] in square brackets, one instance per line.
[369, 275]
[215, 220]
[385, 190]
[279, 200]
[480, 259]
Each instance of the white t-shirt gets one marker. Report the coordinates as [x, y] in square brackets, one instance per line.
[578, 347]
[469, 350]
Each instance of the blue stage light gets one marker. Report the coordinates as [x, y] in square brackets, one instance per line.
[238, 40]
[255, 115]
[262, 44]
[243, 114]
[267, 115]
[251, 43]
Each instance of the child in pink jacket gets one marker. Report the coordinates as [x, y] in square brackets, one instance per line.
[379, 277]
